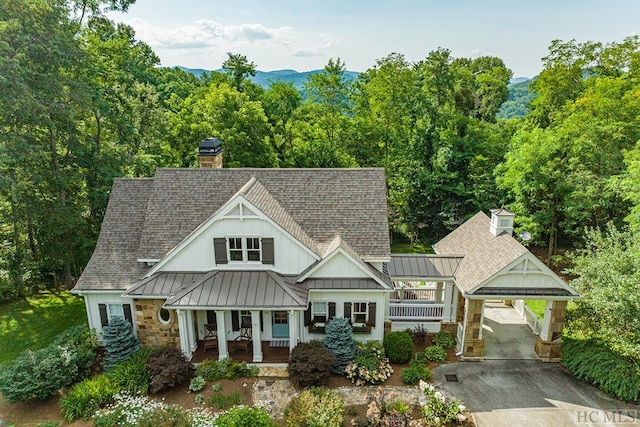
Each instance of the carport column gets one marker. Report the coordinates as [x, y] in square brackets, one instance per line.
[255, 337]
[547, 345]
[473, 345]
[293, 329]
[223, 352]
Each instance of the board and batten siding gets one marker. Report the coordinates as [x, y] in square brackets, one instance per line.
[525, 274]
[92, 302]
[289, 256]
[340, 297]
[339, 266]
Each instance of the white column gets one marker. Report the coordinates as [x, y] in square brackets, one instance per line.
[448, 291]
[222, 335]
[191, 333]
[183, 332]
[438, 292]
[255, 335]
[546, 322]
[293, 329]
[454, 302]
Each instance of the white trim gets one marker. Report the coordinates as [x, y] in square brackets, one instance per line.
[446, 279]
[334, 253]
[148, 260]
[80, 292]
[543, 269]
[220, 215]
[524, 297]
[376, 259]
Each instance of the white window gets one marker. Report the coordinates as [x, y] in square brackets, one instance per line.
[504, 223]
[319, 311]
[359, 313]
[245, 319]
[235, 249]
[253, 249]
[244, 249]
[114, 311]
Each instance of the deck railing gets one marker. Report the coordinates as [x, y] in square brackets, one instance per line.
[534, 322]
[414, 294]
[415, 311]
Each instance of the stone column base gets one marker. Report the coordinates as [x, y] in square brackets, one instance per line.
[473, 348]
[548, 351]
[387, 327]
[451, 327]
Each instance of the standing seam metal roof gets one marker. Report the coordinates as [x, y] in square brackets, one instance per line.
[423, 266]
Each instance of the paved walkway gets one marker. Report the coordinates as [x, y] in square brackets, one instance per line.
[506, 335]
[528, 393]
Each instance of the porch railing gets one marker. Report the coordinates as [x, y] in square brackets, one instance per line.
[414, 294]
[415, 311]
[534, 322]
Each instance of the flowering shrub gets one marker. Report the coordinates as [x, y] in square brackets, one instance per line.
[369, 366]
[140, 411]
[440, 410]
[315, 407]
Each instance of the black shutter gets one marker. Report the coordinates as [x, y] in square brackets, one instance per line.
[307, 316]
[220, 250]
[332, 311]
[127, 313]
[261, 326]
[372, 314]
[347, 311]
[267, 251]
[104, 318]
[235, 320]
[211, 317]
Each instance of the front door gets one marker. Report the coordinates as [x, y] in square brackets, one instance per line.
[280, 324]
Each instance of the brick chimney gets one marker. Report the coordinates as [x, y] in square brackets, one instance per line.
[210, 153]
[501, 222]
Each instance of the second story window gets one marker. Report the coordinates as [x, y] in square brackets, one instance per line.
[235, 249]
[253, 249]
[243, 249]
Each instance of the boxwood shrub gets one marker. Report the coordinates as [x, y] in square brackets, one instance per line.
[398, 346]
[597, 363]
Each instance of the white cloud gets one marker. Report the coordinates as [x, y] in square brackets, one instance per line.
[318, 50]
[205, 33]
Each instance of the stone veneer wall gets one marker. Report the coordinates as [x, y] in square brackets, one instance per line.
[550, 350]
[150, 330]
[473, 346]
[460, 308]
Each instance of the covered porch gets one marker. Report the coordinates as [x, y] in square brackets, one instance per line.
[424, 291]
[270, 353]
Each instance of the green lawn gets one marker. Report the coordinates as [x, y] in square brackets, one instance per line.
[537, 306]
[33, 323]
[410, 248]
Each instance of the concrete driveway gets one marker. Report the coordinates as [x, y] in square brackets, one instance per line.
[506, 335]
[531, 393]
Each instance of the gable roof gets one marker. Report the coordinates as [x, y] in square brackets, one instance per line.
[484, 254]
[113, 265]
[147, 218]
[322, 202]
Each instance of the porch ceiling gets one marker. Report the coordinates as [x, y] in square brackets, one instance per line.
[240, 289]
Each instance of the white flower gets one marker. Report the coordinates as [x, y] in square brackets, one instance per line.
[461, 418]
[461, 408]
[438, 395]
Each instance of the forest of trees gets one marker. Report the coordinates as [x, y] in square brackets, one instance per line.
[82, 101]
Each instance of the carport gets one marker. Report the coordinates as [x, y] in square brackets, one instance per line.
[496, 267]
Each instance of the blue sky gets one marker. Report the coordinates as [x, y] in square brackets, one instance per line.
[303, 34]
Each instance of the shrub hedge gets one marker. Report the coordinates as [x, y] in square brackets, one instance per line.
[309, 364]
[597, 363]
[41, 374]
[398, 346]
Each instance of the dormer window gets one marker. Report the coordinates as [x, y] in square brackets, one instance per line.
[236, 250]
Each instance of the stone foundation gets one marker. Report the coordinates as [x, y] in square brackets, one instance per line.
[548, 351]
[450, 327]
[473, 346]
[151, 331]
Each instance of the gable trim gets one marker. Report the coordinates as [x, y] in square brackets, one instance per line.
[220, 215]
[334, 253]
[527, 257]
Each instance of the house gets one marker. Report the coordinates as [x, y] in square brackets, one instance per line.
[243, 258]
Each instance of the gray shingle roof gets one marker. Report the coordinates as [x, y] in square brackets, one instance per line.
[113, 265]
[239, 289]
[484, 253]
[425, 266]
[323, 202]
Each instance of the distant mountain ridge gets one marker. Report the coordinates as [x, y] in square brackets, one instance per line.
[265, 78]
